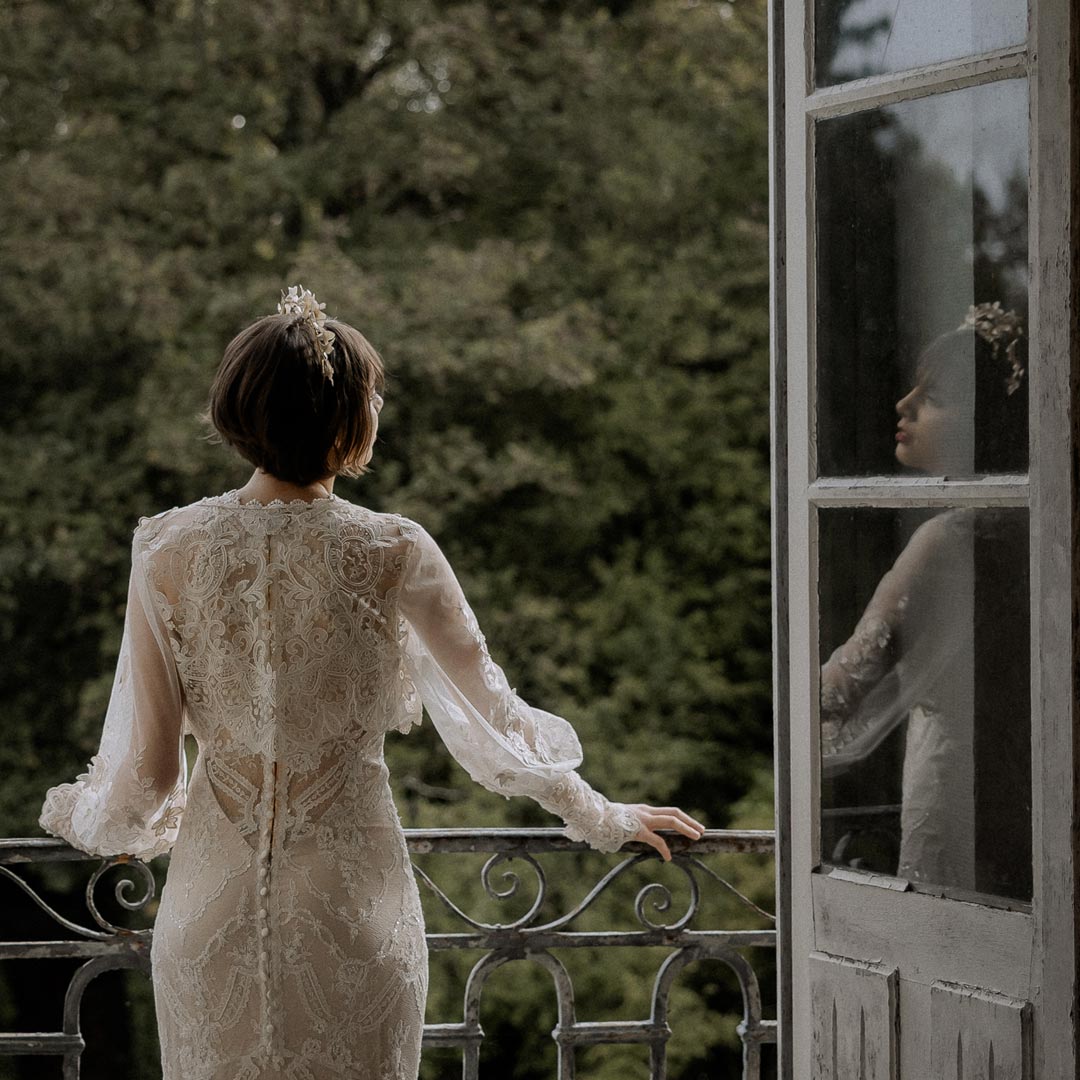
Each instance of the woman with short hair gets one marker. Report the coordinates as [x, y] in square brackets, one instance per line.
[288, 630]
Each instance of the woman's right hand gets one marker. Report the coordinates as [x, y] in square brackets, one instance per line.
[664, 817]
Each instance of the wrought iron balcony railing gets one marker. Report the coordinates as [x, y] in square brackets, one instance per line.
[105, 946]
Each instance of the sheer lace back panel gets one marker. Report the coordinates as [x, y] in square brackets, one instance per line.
[287, 641]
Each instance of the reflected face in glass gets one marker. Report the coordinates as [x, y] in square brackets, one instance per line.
[935, 429]
[930, 429]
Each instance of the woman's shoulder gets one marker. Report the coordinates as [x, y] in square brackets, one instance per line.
[385, 521]
[151, 526]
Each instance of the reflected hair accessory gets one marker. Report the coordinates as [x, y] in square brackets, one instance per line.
[999, 328]
[302, 302]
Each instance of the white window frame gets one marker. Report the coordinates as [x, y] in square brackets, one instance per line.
[1048, 931]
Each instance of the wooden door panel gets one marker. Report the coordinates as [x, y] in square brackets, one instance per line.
[855, 1019]
[928, 938]
[978, 1035]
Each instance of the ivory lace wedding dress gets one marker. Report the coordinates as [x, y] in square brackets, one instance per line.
[288, 638]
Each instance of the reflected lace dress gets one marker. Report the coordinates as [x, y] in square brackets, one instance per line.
[910, 658]
[288, 638]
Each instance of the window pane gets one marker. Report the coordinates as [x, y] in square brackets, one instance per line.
[854, 38]
[925, 700]
[922, 213]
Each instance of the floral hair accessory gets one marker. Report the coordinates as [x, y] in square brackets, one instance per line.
[302, 302]
[999, 328]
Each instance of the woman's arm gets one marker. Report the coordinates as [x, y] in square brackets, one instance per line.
[505, 744]
[131, 798]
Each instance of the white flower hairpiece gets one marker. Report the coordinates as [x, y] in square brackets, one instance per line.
[998, 327]
[302, 302]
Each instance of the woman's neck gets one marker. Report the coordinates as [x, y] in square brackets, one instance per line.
[263, 486]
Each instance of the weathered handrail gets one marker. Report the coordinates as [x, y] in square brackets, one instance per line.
[106, 946]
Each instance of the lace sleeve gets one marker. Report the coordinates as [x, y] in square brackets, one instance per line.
[503, 743]
[131, 798]
[854, 669]
[864, 694]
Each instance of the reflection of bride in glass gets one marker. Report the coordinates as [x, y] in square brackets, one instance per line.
[928, 646]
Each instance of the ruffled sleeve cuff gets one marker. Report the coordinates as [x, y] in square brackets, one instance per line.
[74, 813]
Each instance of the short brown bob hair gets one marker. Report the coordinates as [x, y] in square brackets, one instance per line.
[271, 401]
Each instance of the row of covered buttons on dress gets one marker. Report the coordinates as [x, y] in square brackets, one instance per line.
[270, 999]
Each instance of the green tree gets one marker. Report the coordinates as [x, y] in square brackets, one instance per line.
[550, 219]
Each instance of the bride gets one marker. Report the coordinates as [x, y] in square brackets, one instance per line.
[288, 629]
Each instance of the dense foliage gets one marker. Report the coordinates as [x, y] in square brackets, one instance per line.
[551, 220]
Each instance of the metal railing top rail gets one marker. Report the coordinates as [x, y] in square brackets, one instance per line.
[20, 849]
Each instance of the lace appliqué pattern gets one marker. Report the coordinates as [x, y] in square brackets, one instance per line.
[852, 672]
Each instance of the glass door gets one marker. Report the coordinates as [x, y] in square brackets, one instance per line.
[914, 349]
